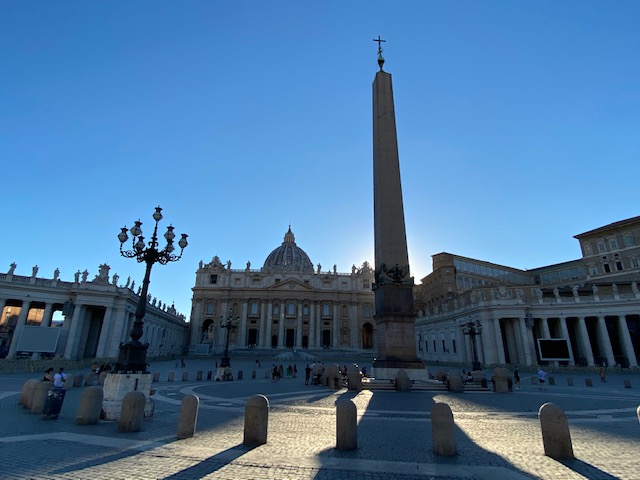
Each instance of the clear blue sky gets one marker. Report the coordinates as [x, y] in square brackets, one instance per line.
[518, 127]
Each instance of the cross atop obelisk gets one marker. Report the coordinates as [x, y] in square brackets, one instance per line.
[380, 57]
[394, 309]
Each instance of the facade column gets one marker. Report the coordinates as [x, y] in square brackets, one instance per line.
[499, 344]
[565, 334]
[262, 326]
[119, 318]
[298, 342]
[242, 337]
[545, 328]
[354, 327]
[47, 315]
[269, 325]
[312, 324]
[625, 338]
[319, 325]
[197, 320]
[74, 332]
[605, 341]
[105, 333]
[526, 344]
[336, 326]
[281, 321]
[22, 320]
[222, 338]
[584, 339]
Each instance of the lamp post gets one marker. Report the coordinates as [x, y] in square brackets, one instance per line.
[229, 325]
[133, 354]
[472, 329]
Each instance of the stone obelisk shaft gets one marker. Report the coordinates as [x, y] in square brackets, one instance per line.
[394, 310]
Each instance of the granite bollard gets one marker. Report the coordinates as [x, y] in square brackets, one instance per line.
[89, 379]
[403, 383]
[240, 375]
[27, 392]
[638, 412]
[346, 425]
[501, 378]
[39, 396]
[199, 376]
[132, 412]
[443, 430]
[627, 383]
[170, 376]
[90, 406]
[256, 421]
[253, 374]
[588, 382]
[78, 380]
[569, 381]
[354, 378]
[188, 416]
[156, 377]
[555, 432]
[551, 380]
[185, 376]
[101, 378]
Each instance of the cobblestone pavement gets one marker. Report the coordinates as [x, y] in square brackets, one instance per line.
[498, 435]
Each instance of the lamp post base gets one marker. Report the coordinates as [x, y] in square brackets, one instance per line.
[132, 358]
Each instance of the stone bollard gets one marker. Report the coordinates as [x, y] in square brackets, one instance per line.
[156, 377]
[501, 378]
[256, 420]
[101, 378]
[588, 382]
[638, 412]
[454, 382]
[403, 383]
[552, 380]
[627, 383]
[78, 380]
[39, 397]
[346, 425]
[240, 375]
[443, 430]
[555, 432]
[69, 382]
[267, 374]
[253, 374]
[188, 416]
[90, 406]
[534, 380]
[132, 412]
[185, 376]
[570, 381]
[354, 380]
[199, 375]
[89, 379]
[27, 392]
[331, 377]
[170, 376]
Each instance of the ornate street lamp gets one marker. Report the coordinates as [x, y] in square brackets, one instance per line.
[230, 324]
[133, 354]
[472, 329]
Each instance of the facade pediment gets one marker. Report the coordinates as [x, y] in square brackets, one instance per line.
[291, 285]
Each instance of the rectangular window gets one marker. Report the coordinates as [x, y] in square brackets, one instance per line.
[325, 310]
[628, 241]
[601, 247]
[594, 270]
[291, 309]
[256, 280]
[619, 266]
[444, 346]
[276, 310]
[607, 268]
[453, 345]
[434, 346]
[613, 244]
[236, 281]
[305, 310]
[213, 278]
[635, 263]
[426, 345]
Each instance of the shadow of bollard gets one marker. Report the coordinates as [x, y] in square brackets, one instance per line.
[90, 406]
[346, 425]
[443, 430]
[188, 416]
[256, 421]
[555, 432]
[132, 412]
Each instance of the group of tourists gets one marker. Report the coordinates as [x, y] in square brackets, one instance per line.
[57, 378]
[278, 372]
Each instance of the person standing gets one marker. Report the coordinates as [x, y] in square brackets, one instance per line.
[516, 378]
[307, 374]
[48, 375]
[59, 378]
[603, 375]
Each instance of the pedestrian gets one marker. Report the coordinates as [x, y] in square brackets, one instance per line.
[516, 378]
[542, 376]
[59, 378]
[295, 371]
[603, 375]
[48, 375]
[307, 374]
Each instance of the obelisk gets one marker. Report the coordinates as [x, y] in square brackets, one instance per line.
[393, 288]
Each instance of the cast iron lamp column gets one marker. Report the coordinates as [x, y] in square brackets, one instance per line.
[229, 325]
[133, 354]
[472, 329]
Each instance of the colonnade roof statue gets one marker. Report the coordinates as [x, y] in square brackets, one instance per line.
[394, 309]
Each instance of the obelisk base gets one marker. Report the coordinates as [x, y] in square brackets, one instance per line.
[387, 368]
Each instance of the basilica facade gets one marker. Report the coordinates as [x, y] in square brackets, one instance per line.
[583, 312]
[285, 304]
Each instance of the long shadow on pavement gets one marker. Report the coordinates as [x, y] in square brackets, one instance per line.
[587, 470]
[211, 464]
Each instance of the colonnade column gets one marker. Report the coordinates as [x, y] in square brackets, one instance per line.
[319, 325]
[74, 332]
[105, 332]
[499, 343]
[269, 325]
[354, 327]
[22, 320]
[584, 340]
[625, 338]
[545, 328]
[605, 341]
[242, 334]
[526, 345]
[47, 315]
[565, 334]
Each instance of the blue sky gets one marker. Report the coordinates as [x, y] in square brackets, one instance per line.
[518, 127]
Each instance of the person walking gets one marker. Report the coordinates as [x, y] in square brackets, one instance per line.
[603, 375]
[542, 377]
[516, 378]
[307, 374]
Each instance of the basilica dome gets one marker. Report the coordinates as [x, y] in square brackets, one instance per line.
[288, 257]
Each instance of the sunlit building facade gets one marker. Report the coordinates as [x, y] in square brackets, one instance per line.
[592, 305]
